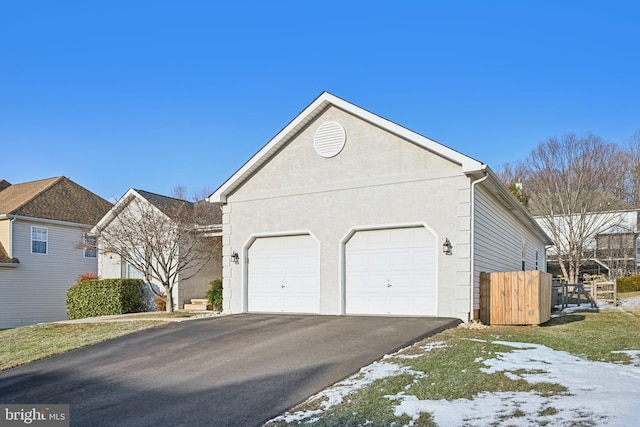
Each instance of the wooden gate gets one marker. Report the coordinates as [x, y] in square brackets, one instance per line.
[515, 298]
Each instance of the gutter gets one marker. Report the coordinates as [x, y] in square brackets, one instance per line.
[44, 220]
[9, 264]
[473, 237]
[11, 238]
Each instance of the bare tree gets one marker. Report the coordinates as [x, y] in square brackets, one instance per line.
[166, 239]
[512, 176]
[570, 182]
[632, 169]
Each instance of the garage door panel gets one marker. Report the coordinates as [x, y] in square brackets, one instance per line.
[391, 271]
[283, 275]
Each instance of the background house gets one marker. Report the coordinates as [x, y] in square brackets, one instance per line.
[41, 225]
[345, 212]
[612, 247]
[134, 202]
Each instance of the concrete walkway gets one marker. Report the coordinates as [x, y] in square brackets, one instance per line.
[176, 317]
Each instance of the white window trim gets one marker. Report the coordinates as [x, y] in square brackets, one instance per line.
[46, 241]
[95, 245]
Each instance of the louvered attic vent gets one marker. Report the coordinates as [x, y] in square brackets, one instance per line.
[329, 139]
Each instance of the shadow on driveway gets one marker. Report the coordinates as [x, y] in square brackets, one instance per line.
[239, 370]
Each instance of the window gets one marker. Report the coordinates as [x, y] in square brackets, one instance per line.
[129, 272]
[39, 239]
[89, 248]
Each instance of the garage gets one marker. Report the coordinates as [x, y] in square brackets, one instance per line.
[391, 272]
[283, 275]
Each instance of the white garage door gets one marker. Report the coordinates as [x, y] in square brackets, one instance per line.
[391, 271]
[284, 275]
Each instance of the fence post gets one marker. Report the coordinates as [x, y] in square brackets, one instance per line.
[485, 298]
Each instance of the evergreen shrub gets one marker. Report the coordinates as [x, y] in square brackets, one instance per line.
[214, 295]
[628, 284]
[93, 297]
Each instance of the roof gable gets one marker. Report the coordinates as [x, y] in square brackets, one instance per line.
[208, 214]
[56, 198]
[317, 107]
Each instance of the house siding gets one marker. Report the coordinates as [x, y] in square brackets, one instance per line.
[36, 290]
[5, 234]
[198, 285]
[110, 266]
[378, 180]
[499, 240]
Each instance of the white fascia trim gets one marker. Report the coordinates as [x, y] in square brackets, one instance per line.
[468, 164]
[45, 221]
[314, 109]
[113, 212]
[118, 207]
[220, 195]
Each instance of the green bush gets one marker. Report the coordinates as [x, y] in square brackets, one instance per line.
[214, 295]
[91, 298]
[628, 284]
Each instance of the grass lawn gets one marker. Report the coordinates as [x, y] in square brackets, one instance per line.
[448, 366]
[29, 343]
[444, 367]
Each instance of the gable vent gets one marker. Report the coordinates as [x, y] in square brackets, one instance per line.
[329, 139]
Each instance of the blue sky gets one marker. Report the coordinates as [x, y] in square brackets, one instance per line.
[154, 94]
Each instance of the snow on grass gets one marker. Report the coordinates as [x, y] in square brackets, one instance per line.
[335, 394]
[634, 355]
[598, 393]
[632, 302]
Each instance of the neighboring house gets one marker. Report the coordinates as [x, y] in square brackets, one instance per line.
[42, 225]
[612, 247]
[110, 265]
[345, 212]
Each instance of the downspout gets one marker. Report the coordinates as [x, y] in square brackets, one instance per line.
[11, 237]
[473, 238]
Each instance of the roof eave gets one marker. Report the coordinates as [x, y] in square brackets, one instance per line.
[501, 191]
[314, 109]
[9, 264]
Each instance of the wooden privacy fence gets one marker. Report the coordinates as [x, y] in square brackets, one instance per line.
[515, 298]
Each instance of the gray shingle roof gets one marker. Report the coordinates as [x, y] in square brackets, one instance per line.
[206, 213]
[4, 257]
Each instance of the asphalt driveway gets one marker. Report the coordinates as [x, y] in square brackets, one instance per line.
[239, 370]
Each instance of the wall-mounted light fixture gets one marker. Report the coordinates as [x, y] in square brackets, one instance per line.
[447, 247]
[235, 258]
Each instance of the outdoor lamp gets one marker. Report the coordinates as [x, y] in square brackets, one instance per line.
[235, 258]
[447, 247]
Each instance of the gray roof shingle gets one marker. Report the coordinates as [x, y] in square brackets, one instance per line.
[56, 198]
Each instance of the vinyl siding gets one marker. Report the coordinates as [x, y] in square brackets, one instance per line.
[36, 290]
[498, 243]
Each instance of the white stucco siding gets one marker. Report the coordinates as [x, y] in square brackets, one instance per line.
[36, 290]
[378, 180]
[499, 240]
[371, 156]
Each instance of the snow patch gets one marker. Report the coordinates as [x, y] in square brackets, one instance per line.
[594, 390]
[593, 396]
